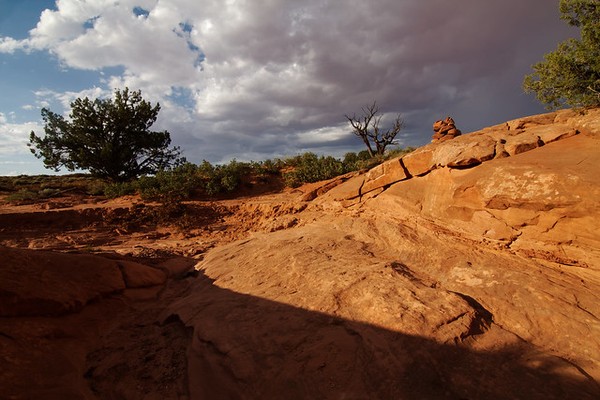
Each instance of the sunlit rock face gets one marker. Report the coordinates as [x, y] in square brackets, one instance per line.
[469, 268]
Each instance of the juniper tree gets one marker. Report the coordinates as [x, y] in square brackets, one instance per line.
[570, 75]
[109, 138]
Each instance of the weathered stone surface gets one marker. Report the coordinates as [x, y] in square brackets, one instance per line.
[448, 278]
[349, 190]
[533, 120]
[477, 282]
[521, 143]
[500, 151]
[384, 174]
[317, 189]
[465, 151]
[552, 133]
[444, 295]
[588, 123]
[546, 198]
[420, 161]
[138, 275]
[47, 283]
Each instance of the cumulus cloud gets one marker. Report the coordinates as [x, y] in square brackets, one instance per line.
[259, 78]
[15, 136]
[45, 97]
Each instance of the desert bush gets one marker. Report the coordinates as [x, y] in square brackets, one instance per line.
[170, 186]
[309, 167]
[96, 188]
[266, 167]
[49, 192]
[222, 178]
[119, 189]
[356, 162]
[31, 195]
[23, 196]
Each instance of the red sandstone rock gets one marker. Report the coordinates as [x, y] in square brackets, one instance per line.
[445, 130]
[469, 278]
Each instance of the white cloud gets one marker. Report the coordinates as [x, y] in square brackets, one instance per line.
[45, 97]
[270, 76]
[15, 137]
[9, 45]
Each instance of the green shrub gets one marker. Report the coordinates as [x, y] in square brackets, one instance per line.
[356, 162]
[113, 190]
[222, 178]
[23, 196]
[170, 186]
[398, 152]
[309, 167]
[48, 192]
[266, 167]
[96, 188]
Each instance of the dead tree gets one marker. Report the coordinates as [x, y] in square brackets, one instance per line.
[367, 128]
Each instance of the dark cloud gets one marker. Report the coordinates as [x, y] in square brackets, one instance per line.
[279, 76]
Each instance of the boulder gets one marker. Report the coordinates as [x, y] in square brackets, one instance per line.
[47, 283]
[587, 122]
[420, 161]
[533, 120]
[465, 152]
[44, 283]
[389, 172]
[522, 142]
[137, 275]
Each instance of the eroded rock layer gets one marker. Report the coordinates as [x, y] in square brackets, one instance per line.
[467, 269]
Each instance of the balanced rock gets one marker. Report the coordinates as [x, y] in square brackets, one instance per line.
[444, 130]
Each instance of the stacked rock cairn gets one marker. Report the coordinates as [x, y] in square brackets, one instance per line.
[444, 130]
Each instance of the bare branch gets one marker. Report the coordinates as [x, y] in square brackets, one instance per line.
[367, 127]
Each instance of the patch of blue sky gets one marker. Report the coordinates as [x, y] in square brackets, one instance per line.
[24, 74]
[89, 24]
[13, 13]
[140, 12]
[186, 27]
[183, 97]
[184, 31]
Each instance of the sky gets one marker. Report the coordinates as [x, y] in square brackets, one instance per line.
[259, 79]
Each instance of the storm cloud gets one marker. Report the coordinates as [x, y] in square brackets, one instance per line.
[259, 79]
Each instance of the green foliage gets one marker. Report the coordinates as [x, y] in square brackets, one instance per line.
[309, 167]
[23, 196]
[119, 189]
[267, 167]
[109, 138]
[222, 178]
[32, 188]
[570, 75]
[356, 162]
[398, 152]
[170, 186]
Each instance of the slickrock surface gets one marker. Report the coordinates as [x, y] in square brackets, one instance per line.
[469, 269]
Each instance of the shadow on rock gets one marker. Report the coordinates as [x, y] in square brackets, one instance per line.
[244, 347]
